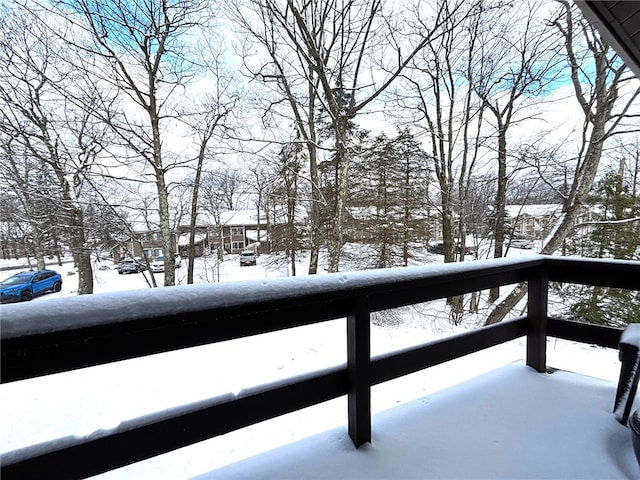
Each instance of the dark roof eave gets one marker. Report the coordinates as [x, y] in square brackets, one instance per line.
[619, 31]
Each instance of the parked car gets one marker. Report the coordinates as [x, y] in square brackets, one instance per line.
[436, 248]
[521, 243]
[22, 287]
[157, 266]
[439, 249]
[131, 265]
[247, 258]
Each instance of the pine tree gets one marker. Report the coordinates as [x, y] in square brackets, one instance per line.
[388, 196]
[615, 234]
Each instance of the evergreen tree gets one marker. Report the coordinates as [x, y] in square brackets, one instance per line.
[284, 192]
[388, 197]
[615, 234]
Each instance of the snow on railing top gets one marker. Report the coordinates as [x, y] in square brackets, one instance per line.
[116, 307]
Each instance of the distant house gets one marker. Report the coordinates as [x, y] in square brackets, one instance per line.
[149, 243]
[204, 240]
[142, 244]
[241, 230]
[533, 221]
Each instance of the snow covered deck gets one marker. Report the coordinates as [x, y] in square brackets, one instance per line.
[510, 423]
[513, 423]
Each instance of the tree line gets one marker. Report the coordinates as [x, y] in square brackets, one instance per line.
[115, 112]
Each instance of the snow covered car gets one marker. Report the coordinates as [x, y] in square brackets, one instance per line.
[157, 266]
[22, 287]
[519, 243]
[247, 259]
[131, 265]
[439, 249]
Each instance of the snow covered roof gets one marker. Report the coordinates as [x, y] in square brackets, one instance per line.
[240, 217]
[543, 210]
[249, 217]
[253, 235]
[183, 239]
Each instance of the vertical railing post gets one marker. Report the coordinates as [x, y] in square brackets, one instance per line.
[538, 320]
[358, 365]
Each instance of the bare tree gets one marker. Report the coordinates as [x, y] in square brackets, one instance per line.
[284, 193]
[41, 125]
[260, 183]
[219, 188]
[597, 76]
[11, 223]
[516, 62]
[210, 119]
[629, 152]
[331, 47]
[286, 74]
[447, 112]
[25, 178]
[138, 57]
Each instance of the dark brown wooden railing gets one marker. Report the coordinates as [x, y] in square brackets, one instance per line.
[42, 338]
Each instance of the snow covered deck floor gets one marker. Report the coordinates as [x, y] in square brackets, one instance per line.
[509, 423]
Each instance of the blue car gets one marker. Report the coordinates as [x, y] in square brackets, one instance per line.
[23, 286]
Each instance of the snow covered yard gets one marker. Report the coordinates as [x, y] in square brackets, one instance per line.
[83, 401]
[107, 279]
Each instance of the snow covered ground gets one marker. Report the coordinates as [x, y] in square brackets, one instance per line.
[510, 423]
[83, 401]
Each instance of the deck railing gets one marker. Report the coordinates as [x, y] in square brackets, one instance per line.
[57, 335]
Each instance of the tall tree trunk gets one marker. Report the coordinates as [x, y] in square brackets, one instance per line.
[81, 255]
[293, 244]
[407, 216]
[194, 215]
[597, 110]
[571, 211]
[342, 187]
[165, 230]
[501, 196]
[448, 237]
[314, 246]
[36, 236]
[316, 197]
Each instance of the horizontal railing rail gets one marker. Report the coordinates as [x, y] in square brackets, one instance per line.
[59, 335]
[66, 334]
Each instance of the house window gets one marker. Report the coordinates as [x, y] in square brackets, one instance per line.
[152, 253]
[238, 245]
[237, 231]
[150, 236]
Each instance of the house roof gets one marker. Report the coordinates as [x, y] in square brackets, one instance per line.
[240, 217]
[253, 235]
[250, 216]
[619, 23]
[183, 239]
[542, 210]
